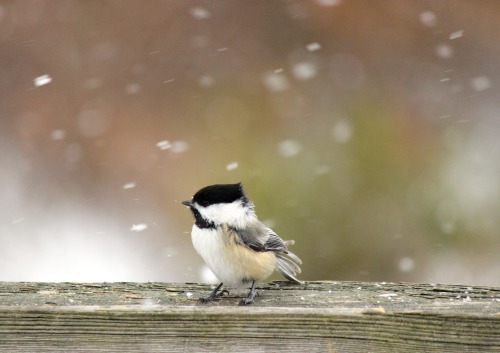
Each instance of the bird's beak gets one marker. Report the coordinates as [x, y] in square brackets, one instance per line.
[187, 203]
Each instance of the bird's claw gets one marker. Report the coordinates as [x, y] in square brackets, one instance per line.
[206, 299]
[246, 301]
[249, 299]
[214, 296]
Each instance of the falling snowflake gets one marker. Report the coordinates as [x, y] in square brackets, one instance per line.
[138, 227]
[42, 80]
[313, 46]
[130, 185]
[232, 166]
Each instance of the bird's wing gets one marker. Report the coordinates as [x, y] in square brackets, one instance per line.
[261, 238]
[274, 242]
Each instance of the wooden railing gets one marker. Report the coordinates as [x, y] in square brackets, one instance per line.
[314, 317]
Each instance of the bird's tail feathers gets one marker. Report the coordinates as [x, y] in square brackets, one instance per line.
[290, 254]
[288, 265]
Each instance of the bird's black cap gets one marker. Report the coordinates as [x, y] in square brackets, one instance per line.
[219, 193]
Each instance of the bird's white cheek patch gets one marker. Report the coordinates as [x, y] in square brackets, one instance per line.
[233, 214]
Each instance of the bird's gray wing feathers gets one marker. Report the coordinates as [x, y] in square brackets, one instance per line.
[255, 237]
[274, 242]
[261, 238]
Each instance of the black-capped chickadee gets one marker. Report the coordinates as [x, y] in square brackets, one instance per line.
[236, 246]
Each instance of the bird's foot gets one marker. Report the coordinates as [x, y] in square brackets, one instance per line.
[215, 294]
[251, 295]
[246, 301]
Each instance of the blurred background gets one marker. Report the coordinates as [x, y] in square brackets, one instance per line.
[368, 131]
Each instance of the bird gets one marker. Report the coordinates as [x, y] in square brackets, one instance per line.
[237, 247]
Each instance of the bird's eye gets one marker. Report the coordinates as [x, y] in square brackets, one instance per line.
[204, 203]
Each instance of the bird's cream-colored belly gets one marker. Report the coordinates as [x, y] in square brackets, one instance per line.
[233, 264]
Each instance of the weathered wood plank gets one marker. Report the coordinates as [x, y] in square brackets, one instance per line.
[315, 317]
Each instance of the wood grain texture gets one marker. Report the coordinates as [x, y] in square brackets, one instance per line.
[314, 317]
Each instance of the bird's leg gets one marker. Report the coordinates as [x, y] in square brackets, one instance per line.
[214, 294]
[250, 296]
